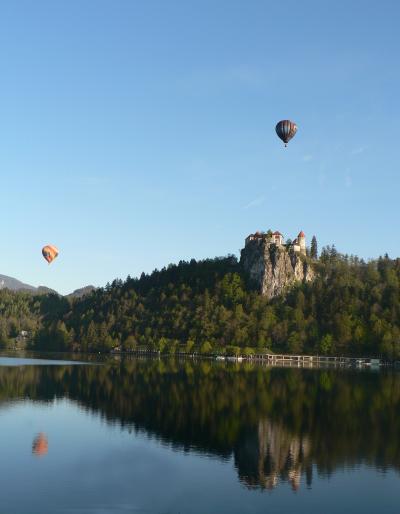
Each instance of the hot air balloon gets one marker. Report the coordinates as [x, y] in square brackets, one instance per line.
[286, 129]
[40, 446]
[49, 252]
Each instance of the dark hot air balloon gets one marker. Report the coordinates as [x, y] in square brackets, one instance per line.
[286, 129]
[49, 252]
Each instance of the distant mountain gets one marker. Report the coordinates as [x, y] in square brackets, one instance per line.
[16, 285]
[83, 291]
[45, 290]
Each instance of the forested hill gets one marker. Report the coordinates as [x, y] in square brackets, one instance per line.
[351, 308]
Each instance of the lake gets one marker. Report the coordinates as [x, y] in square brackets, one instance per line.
[166, 437]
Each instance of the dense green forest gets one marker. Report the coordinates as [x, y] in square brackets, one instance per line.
[351, 308]
[18, 312]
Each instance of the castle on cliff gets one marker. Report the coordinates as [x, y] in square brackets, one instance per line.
[274, 266]
[276, 238]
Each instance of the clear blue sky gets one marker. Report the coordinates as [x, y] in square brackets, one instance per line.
[138, 133]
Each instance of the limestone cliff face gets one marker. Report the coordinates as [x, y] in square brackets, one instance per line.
[274, 268]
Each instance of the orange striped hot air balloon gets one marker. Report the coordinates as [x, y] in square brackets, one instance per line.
[49, 252]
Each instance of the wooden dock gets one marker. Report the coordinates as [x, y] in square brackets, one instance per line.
[314, 360]
[270, 359]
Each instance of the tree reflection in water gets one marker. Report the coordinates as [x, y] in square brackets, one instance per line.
[278, 424]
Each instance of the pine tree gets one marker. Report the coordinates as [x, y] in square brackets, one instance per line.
[314, 248]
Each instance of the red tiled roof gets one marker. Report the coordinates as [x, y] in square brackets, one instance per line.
[277, 233]
[301, 234]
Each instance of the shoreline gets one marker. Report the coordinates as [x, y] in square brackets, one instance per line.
[278, 360]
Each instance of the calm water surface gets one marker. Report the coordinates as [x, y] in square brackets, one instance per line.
[162, 437]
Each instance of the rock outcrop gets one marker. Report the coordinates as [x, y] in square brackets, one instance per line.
[273, 268]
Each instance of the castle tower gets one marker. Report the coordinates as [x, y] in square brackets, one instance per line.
[301, 238]
[277, 238]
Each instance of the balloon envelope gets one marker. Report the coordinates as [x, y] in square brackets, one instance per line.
[49, 252]
[285, 130]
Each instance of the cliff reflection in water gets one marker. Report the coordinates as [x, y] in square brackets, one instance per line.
[278, 424]
[276, 455]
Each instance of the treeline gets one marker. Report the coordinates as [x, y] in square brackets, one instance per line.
[351, 308]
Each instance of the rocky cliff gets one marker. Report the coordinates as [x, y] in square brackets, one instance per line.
[274, 268]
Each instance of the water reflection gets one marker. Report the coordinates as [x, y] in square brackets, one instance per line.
[275, 456]
[40, 445]
[278, 424]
